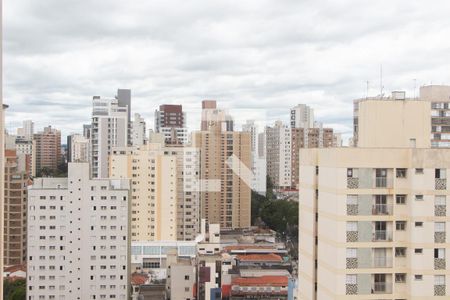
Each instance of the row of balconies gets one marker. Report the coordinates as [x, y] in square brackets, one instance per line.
[385, 182]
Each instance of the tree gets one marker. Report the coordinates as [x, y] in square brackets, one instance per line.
[14, 289]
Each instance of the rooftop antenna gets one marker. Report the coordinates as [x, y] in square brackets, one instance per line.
[381, 81]
[367, 89]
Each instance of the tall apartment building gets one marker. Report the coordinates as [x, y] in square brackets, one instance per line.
[170, 120]
[109, 129]
[15, 210]
[439, 98]
[225, 159]
[373, 218]
[138, 131]
[78, 237]
[26, 131]
[279, 155]
[302, 116]
[259, 164]
[47, 150]
[164, 190]
[124, 100]
[77, 148]
[212, 116]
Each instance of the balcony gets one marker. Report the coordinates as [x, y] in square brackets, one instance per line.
[440, 183]
[439, 290]
[439, 236]
[382, 209]
[382, 236]
[352, 236]
[381, 182]
[382, 262]
[439, 264]
[381, 288]
[352, 209]
[351, 289]
[440, 210]
[352, 182]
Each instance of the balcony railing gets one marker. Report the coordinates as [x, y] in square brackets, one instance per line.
[381, 288]
[440, 183]
[382, 209]
[382, 262]
[382, 236]
[352, 182]
[381, 182]
[440, 210]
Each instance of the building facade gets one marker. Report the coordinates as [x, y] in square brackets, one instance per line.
[165, 190]
[225, 159]
[109, 129]
[15, 209]
[138, 131]
[373, 218]
[279, 155]
[47, 150]
[302, 116]
[170, 120]
[78, 237]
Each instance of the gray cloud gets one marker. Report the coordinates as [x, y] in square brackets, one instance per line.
[261, 56]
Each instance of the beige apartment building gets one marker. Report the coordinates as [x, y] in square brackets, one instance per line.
[15, 227]
[226, 192]
[374, 219]
[164, 190]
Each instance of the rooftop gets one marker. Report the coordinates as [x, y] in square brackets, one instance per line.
[260, 257]
[261, 281]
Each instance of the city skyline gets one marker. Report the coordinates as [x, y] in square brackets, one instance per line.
[55, 65]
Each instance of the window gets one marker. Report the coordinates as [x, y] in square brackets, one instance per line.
[440, 200]
[400, 225]
[418, 250]
[418, 277]
[400, 252]
[186, 277]
[418, 224]
[440, 173]
[352, 173]
[352, 226]
[439, 226]
[439, 279]
[439, 253]
[419, 197]
[400, 199]
[400, 277]
[351, 253]
[351, 279]
[419, 171]
[401, 173]
[352, 199]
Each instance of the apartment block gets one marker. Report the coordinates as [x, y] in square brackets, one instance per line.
[26, 131]
[302, 116]
[138, 131]
[77, 148]
[15, 210]
[373, 218]
[170, 120]
[259, 163]
[109, 129]
[439, 98]
[225, 159]
[47, 150]
[213, 116]
[279, 155]
[78, 237]
[165, 190]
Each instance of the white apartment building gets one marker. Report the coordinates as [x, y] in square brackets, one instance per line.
[278, 148]
[302, 116]
[373, 219]
[165, 190]
[138, 131]
[259, 164]
[79, 148]
[109, 129]
[26, 131]
[78, 237]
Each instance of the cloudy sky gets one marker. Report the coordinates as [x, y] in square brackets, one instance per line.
[256, 57]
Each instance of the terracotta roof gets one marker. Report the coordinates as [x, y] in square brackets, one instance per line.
[245, 247]
[260, 257]
[261, 281]
[15, 268]
[138, 279]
